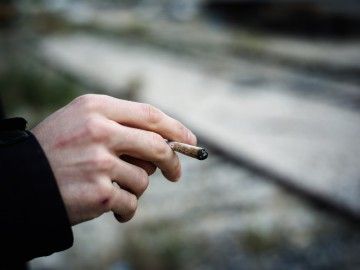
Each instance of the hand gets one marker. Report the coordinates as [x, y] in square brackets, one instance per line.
[84, 140]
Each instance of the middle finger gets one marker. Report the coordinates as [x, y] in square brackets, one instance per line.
[149, 146]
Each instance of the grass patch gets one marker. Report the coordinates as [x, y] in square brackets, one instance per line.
[32, 91]
[256, 242]
[161, 246]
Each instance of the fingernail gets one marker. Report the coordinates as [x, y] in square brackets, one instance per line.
[192, 138]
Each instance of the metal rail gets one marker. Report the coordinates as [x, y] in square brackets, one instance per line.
[313, 198]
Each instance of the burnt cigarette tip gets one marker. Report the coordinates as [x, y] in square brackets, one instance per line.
[202, 154]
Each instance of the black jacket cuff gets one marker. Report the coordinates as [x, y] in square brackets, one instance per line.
[33, 217]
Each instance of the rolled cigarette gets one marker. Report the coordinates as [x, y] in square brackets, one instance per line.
[189, 150]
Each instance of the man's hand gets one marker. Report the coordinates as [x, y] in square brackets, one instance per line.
[84, 140]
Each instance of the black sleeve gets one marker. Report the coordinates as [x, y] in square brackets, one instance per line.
[2, 114]
[33, 219]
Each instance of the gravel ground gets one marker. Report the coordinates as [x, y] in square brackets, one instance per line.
[217, 217]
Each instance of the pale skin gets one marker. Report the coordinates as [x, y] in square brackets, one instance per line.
[84, 140]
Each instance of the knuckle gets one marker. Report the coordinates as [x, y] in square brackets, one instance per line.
[143, 180]
[105, 194]
[88, 102]
[160, 149]
[102, 161]
[95, 129]
[128, 212]
[152, 114]
[132, 204]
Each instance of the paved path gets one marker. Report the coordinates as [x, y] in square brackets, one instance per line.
[311, 141]
[328, 54]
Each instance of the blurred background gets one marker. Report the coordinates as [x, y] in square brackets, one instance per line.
[271, 88]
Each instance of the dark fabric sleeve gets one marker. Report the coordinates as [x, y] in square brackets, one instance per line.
[2, 114]
[33, 219]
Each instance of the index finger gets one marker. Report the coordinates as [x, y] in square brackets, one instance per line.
[144, 116]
